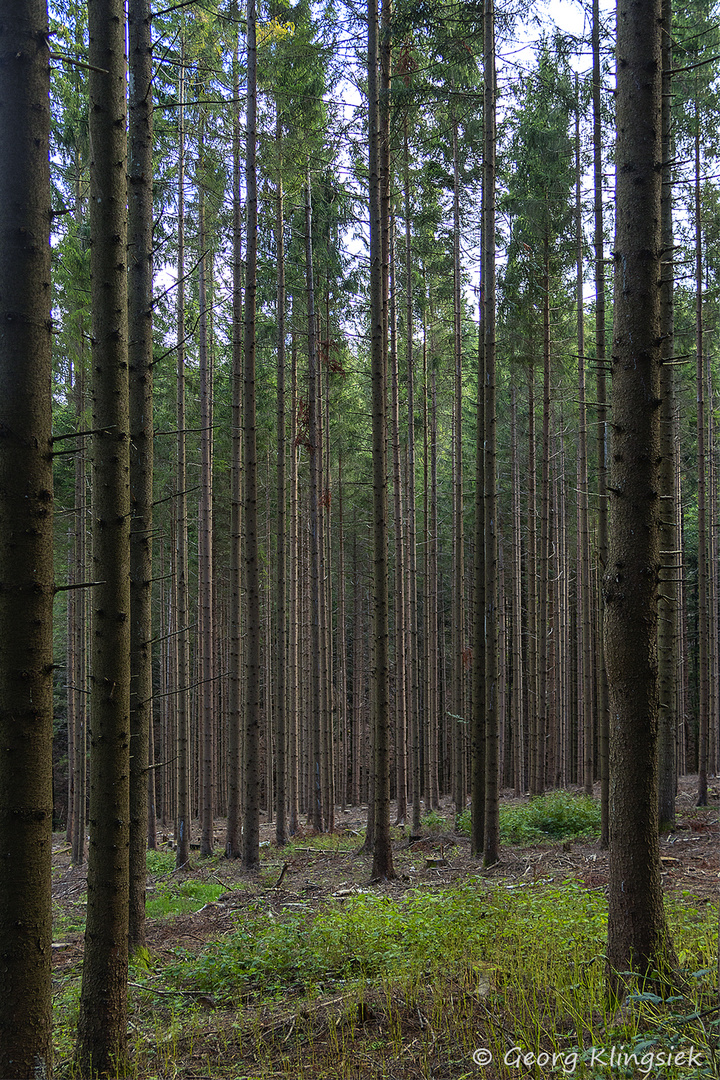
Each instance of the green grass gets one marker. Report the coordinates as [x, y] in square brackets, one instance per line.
[181, 897]
[408, 986]
[555, 816]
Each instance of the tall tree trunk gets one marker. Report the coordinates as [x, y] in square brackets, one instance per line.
[399, 591]
[182, 826]
[477, 775]
[669, 547]
[26, 544]
[382, 847]
[584, 683]
[252, 774]
[205, 536]
[140, 349]
[603, 431]
[315, 452]
[79, 623]
[458, 579]
[638, 936]
[281, 637]
[533, 704]
[543, 712]
[233, 836]
[702, 573]
[102, 1025]
[412, 622]
[517, 709]
[294, 606]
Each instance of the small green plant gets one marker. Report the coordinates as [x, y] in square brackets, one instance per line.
[434, 821]
[160, 863]
[555, 816]
[181, 897]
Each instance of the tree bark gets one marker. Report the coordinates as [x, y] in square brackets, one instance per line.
[638, 936]
[26, 544]
[140, 349]
[182, 826]
[491, 845]
[669, 547]
[252, 777]
[102, 1025]
[603, 431]
[281, 636]
[233, 835]
[382, 849]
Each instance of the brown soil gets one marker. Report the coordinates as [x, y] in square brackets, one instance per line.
[689, 860]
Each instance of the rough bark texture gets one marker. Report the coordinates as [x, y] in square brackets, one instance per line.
[637, 931]
[26, 535]
[102, 1028]
[141, 447]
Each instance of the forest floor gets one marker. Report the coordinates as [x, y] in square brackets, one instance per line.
[340, 1028]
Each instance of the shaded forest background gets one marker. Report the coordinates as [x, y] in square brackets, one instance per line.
[554, 229]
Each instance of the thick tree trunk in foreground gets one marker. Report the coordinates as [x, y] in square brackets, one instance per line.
[26, 537]
[102, 1026]
[638, 937]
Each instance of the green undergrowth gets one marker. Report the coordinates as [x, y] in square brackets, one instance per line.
[410, 986]
[437, 973]
[555, 816]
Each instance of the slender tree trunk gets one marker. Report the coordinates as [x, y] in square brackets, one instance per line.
[491, 846]
[399, 592]
[102, 1025]
[252, 774]
[532, 584]
[412, 622]
[233, 836]
[281, 638]
[702, 573]
[205, 536]
[517, 710]
[294, 606]
[458, 579]
[585, 716]
[182, 828]
[670, 555]
[342, 676]
[603, 431]
[141, 448]
[316, 808]
[79, 626]
[543, 712]
[26, 544]
[382, 847]
[638, 936]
